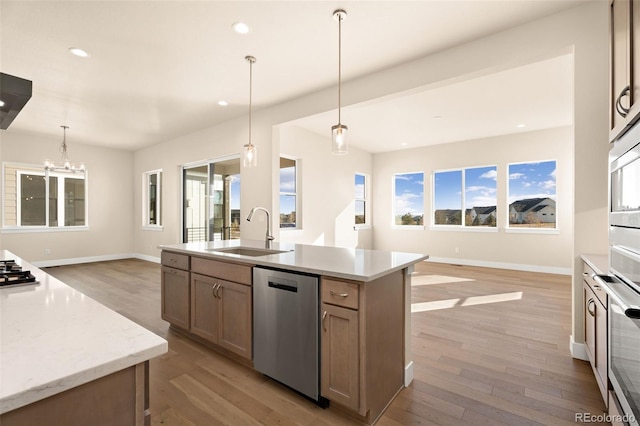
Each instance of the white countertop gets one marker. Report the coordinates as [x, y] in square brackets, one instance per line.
[346, 263]
[53, 338]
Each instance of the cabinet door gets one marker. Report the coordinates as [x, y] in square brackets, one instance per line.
[590, 323]
[175, 296]
[204, 307]
[621, 65]
[601, 347]
[234, 317]
[340, 356]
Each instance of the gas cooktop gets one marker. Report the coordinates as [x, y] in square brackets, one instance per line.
[12, 274]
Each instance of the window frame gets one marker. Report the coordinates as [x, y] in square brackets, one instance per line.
[394, 225]
[530, 230]
[463, 198]
[37, 170]
[146, 202]
[297, 193]
[366, 200]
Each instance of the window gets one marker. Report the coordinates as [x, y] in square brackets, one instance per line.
[408, 199]
[361, 203]
[152, 197]
[478, 197]
[532, 195]
[34, 199]
[288, 193]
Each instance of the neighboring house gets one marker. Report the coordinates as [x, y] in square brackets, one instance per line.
[533, 210]
[482, 214]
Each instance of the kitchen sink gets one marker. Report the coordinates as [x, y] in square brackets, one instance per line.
[247, 251]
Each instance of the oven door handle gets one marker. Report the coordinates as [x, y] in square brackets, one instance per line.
[630, 311]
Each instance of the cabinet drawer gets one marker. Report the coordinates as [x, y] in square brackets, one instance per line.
[224, 270]
[175, 260]
[587, 274]
[340, 293]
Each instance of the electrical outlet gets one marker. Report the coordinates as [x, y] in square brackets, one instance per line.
[47, 252]
[457, 249]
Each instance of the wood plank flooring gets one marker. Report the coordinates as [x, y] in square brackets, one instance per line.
[490, 347]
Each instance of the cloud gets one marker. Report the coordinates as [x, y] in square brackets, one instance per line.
[548, 184]
[515, 176]
[485, 189]
[491, 174]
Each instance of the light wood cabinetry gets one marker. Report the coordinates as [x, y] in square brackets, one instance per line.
[362, 340]
[175, 289]
[209, 299]
[595, 326]
[625, 65]
[221, 313]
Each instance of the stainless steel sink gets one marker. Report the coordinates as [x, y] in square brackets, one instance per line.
[247, 251]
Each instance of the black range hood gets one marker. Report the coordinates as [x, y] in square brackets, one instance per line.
[14, 94]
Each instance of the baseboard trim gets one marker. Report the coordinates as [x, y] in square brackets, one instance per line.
[77, 260]
[148, 258]
[501, 265]
[408, 374]
[578, 350]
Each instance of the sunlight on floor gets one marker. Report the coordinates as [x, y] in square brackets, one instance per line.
[467, 301]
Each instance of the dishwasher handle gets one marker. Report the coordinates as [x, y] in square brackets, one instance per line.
[281, 286]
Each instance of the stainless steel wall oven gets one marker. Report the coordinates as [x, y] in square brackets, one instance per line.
[623, 283]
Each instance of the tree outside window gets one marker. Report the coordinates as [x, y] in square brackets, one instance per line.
[532, 195]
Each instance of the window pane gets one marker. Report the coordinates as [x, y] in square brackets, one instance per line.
[32, 200]
[532, 195]
[53, 201]
[359, 187]
[409, 199]
[360, 212]
[74, 203]
[287, 211]
[287, 193]
[153, 199]
[480, 196]
[448, 198]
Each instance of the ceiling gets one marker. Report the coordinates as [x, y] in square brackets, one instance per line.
[157, 69]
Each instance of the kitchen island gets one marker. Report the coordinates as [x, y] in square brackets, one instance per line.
[364, 311]
[67, 359]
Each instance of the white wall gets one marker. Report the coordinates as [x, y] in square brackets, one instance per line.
[548, 252]
[327, 189]
[109, 174]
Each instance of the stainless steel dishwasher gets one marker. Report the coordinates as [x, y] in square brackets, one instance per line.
[286, 329]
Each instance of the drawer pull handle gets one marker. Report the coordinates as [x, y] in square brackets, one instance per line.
[324, 316]
[333, 293]
[589, 303]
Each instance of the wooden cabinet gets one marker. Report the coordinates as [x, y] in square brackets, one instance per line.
[362, 349]
[625, 65]
[175, 289]
[210, 299]
[221, 313]
[340, 375]
[595, 326]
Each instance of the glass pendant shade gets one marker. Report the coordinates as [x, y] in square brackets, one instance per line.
[339, 139]
[250, 155]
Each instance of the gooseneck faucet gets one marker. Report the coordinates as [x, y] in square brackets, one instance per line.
[269, 237]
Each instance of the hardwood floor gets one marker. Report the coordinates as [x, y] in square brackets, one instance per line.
[490, 347]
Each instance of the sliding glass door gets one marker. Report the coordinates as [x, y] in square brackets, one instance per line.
[211, 201]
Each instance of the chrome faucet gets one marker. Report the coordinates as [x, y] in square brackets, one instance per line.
[269, 237]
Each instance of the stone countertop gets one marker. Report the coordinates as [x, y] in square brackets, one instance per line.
[346, 263]
[598, 262]
[54, 338]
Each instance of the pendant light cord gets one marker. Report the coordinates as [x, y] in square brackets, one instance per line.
[251, 60]
[339, 66]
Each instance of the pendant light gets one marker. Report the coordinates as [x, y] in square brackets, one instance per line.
[339, 131]
[250, 151]
[65, 164]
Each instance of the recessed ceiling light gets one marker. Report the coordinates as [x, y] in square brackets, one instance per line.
[1, 103]
[521, 125]
[437, 117]
[78, 52]
[223, 103]
[403, 144]
[241, 28]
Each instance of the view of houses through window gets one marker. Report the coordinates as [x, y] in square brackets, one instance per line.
[474, 188]
[532, 195]
[288, 193]
[408, 199]
[360, 199]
